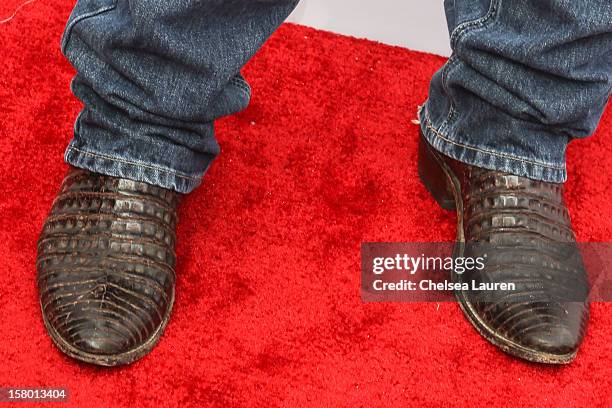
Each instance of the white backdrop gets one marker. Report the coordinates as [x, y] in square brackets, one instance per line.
[415, 24]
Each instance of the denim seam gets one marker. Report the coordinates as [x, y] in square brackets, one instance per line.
[243, 91]
[236, 81]
[478, 23]
[134, 163]
[445, 138]
[246, 90]
[445, 73]
[82, 17]
[455, 36]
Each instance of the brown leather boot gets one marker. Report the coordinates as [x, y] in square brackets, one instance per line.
[106, 267]
[523, 228]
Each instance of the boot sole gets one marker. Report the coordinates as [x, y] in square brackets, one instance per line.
[443, 184]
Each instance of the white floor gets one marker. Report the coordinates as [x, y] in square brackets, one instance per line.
[415, 24]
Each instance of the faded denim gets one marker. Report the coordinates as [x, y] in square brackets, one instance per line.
[524, 79]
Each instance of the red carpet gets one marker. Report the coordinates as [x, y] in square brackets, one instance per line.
[268, 310]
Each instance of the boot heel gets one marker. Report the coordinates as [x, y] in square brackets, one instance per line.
[433, 176]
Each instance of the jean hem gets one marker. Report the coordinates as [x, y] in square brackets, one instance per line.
[445, 143]
[120, 167]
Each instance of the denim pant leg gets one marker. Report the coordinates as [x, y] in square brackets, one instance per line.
[525, 78]
[153, 75]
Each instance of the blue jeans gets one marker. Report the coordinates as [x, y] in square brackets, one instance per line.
[525, 77]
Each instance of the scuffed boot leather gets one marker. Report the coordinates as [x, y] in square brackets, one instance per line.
[524, 228]
[106, 267]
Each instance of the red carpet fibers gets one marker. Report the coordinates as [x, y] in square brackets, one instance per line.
[268, 311]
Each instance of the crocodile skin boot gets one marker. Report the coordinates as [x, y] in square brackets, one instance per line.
[106, 267]
[522, 228]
